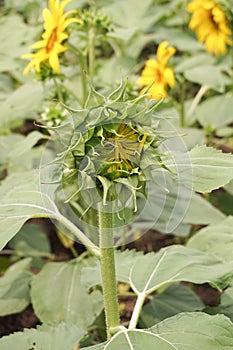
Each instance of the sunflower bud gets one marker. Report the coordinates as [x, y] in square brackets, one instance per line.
[108, 152]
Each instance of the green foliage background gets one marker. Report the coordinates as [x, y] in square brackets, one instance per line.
[199, 107]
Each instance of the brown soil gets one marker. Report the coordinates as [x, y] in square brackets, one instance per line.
[17, 322]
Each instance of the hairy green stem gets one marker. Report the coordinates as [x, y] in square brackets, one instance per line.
[107, 265]
[83, 64]
[91, 53]
[182, 98]
[231, 61]
[83, 71]
[58, 90]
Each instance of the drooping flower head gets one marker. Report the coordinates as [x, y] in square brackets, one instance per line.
[50, 46]
[211, 25]
[157, 71]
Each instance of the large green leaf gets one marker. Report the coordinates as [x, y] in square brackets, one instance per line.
[175, 299]
[208, 75]
[192, 136]
[31, 241]
[127, 12]
[178, 263]
[186, 331]
[223, 201]
[175, 210]
[197, 330]
[201, 212]
[6, 86]
[115, 67]
[24, 196]
[13, 46]
[216, 112]
[91, 276]
[16, 152]
[215, 239]
[194, 61]
[57, 295]
[208, 169]
[20, 200]
[58, 337]
[229, 187]
[6, 142]
[166, 205]
[21, 104]
[14, 288]
[147, 273]
[177, 37]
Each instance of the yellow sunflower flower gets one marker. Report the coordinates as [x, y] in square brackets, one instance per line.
[157, 71]
[49, 48]
[211, 25]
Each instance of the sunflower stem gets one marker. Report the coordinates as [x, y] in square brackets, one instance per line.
[107, 265]
[83, 64]
[232, 60]
[182, 98]
[91, 52]
[58, 90]
[83, 71]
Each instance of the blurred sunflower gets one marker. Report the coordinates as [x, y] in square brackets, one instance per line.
[157, 71]
[211, 25]
[49, 48]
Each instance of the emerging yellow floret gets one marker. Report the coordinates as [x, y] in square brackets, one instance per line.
[50, 46]
[124, 149]
[211, 25]
[157, 71]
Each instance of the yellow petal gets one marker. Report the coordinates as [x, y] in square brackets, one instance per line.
[142, 81]
[169, 77]
[54, 62]
[27, 55]
[211, 25]
[69, 21]
[39, 44]
[28, 68]
[52, 5]
[164, 52]
[158, 91]
[63, 4]
[48, 18]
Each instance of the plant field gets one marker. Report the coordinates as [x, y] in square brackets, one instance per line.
[116, 175]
